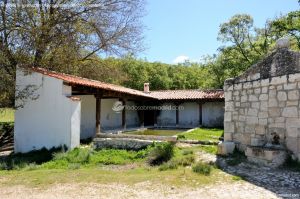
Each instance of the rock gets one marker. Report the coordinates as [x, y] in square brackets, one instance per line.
[225, 148]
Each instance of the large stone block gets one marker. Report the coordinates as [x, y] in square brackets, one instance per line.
[281, 96]
[253, 98]
[228, 95]
[252, 112]
[263, 97]
[226, 148]
[292, 144]
[255, 105]
[227, 136]
[260, 130]
[228, 116]
[244, 98]
[293, 132]
[294, 77]
[250, 129]
[252, 120]
[264, 90]
[272, 102]
[293, 95]
[264, 106]
[290, 112]
[264, 82]
[263, 121]
[290, 86]
[292, 103]
[292, 122]
[278, 80]
[228, 127]
[257, 91]
[263, 115]
[229, 106]
[274, 112]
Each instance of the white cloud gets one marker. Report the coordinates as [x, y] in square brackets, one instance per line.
[181, 59]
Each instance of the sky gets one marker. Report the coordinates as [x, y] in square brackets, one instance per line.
[187, 29]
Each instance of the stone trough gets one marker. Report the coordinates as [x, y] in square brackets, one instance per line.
[127, 141]
[266, 155]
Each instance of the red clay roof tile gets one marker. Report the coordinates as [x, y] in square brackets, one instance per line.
[160, 95]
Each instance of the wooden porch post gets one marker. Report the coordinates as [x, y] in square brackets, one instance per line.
[177, 114]
[98, 113]
[142, 118]
[124, 115]
[200, 113]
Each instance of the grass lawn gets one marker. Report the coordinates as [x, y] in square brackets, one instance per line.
[44, 168]
[203, 134]
[7, 115]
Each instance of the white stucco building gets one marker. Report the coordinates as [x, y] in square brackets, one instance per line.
[56, 109]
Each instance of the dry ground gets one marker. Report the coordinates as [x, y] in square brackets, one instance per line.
[240, 189]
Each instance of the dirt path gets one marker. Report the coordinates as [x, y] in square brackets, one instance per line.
[235, 190]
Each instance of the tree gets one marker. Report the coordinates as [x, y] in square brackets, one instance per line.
[288, 25]
[62, 35]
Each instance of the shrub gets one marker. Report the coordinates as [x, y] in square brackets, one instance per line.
[161, 153]
[202, 168]
[187, 152]
[180, 137]
[78, 155]
[186, 160]
[168, 165]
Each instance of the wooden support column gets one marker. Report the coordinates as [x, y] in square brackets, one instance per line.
[177, 114]
[142, 117]
[155, 118]
[98, 112]
[200, 113]
[124, 115]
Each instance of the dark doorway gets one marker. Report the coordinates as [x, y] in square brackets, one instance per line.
[149, 117]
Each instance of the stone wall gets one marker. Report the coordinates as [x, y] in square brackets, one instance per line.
[264, 102]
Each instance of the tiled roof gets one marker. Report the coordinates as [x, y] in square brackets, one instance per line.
[160, 95]
[75, 80]
[187, 94]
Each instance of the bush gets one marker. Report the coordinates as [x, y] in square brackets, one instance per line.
[78, 155]
[186, 160]
[187, 152]
[180, 137]
[161, 153]
[168, 165]
[202, 168]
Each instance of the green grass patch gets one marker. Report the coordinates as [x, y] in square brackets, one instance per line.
[202, 134]
[76, 158]
[7, 115]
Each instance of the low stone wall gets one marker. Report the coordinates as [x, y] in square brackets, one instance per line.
[122, 143]
[140, 137]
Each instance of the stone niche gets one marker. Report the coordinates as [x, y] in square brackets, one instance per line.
[262, 109]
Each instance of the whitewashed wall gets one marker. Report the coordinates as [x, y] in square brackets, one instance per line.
[132, 118]
[213, 114]
[167, 117]
[189, 116]
[49, 121]
[88, 116]
[109, 118]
